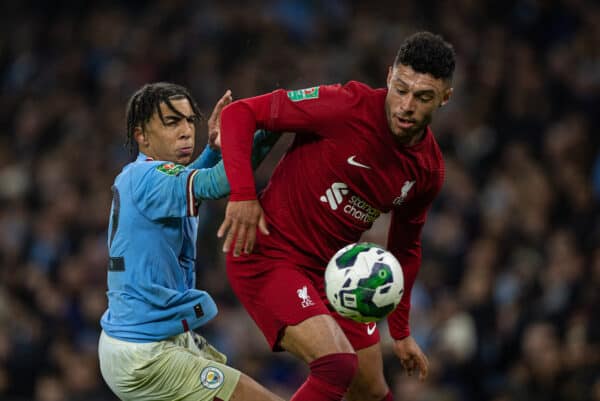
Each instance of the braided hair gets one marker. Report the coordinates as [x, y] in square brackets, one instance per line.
[147, 100]
[427, 53]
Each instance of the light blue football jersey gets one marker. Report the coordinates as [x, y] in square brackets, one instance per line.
[152, 235]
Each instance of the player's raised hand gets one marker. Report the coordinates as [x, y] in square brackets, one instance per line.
[411, 357]
[214, 121]
[239, 226]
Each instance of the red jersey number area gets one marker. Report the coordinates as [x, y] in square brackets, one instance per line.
[277, 293]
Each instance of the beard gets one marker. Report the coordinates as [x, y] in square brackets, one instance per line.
[405, 136]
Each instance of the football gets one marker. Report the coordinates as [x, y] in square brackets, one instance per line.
[364, 282]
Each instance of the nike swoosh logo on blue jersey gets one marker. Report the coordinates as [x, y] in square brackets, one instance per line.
[353, 162]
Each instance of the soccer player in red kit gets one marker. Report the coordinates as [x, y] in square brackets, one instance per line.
[358, 152]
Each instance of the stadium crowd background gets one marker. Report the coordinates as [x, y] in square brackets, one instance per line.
[508, 300]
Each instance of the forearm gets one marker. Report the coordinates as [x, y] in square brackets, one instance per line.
[398, 320]
[263, 143]
[239, 121]
[404, 241]
[208, 158]
[212, 183]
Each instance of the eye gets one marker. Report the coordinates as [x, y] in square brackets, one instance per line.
[172, 121]
[401, 91]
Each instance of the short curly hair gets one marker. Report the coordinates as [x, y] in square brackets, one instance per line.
[427, 53]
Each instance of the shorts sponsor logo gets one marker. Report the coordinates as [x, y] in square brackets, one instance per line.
[303, 295]
[211, 377]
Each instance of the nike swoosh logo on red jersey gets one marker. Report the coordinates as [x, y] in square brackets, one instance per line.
[353, 162]
[371, 329]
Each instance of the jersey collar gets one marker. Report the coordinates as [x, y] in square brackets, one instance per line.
[143, 158]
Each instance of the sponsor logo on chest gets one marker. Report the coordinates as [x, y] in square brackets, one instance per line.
[355, 206]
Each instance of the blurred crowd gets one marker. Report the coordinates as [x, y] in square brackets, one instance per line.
[507, 302]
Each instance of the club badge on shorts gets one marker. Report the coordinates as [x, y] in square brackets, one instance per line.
[211, 377]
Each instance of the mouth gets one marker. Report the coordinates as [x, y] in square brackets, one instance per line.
[405, 123]
[185, 151]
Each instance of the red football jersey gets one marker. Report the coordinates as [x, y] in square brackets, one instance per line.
[342, 171]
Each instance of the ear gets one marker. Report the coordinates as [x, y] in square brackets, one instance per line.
[446, 96]
[140, 137]
[389, 76]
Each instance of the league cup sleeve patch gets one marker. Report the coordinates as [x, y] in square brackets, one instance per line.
[304, 94]
[170, 168]
[211, 377]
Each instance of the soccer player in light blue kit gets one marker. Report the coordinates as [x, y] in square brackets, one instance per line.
[148, 348]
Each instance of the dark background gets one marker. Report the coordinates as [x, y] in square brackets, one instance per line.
[507, 302]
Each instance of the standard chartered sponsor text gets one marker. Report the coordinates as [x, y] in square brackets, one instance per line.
[361, 210]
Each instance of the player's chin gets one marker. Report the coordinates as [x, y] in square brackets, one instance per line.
[185, 160]
[402, 135]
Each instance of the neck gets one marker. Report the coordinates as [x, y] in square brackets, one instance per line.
[148, 152]
[412, 140]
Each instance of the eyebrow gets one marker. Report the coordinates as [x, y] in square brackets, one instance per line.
[179, 117]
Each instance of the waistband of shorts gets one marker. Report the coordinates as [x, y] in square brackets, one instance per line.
[113, 340]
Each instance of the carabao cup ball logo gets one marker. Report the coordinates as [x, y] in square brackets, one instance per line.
[364, 282]
[211, 377]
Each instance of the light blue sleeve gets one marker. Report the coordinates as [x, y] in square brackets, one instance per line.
[212, 183]
[262, 145]
[208, 158]
[163, 190]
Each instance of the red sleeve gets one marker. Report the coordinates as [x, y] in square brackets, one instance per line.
[239, 121]
[305, 110]
[404, 241]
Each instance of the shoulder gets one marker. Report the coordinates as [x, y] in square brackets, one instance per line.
[165, 167]
[143, 173]
[355, 88]
[360, 87]
[436, 156]
[433, 161]
[352, 94]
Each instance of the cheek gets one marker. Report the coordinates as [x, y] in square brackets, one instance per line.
[426, 110]
[394, 103]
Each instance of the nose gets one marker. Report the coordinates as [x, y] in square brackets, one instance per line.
[187, 129]
[408, 104]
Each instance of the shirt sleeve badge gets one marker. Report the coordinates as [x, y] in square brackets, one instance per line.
[170, 168]
[304, 94]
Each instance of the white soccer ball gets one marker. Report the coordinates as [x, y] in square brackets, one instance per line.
[364, 282]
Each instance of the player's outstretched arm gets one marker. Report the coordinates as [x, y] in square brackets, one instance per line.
[211, 183]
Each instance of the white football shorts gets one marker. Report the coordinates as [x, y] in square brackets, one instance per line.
[183, 367]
